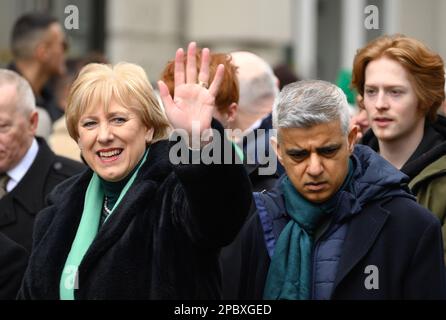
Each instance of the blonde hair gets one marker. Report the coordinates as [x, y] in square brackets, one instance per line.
[127, 84]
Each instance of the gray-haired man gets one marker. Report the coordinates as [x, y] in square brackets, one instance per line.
[339, 224]
[29, 170]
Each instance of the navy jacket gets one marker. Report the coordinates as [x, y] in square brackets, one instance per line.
[377, 226]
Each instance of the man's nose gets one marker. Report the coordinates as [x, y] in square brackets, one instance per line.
[315, 167]
[381, 101]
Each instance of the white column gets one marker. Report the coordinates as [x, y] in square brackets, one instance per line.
[304, 37]
[392, 21]
[353, 30]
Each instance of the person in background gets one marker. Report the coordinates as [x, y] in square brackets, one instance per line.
[360, 120]
[29, 168]
[226, 101]
[400, 83]
[285, 75]
[38, 46]
[258, 89]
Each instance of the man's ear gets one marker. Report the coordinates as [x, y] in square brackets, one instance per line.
[352, 138]
[276, 147]
[40, 51]
[232, 112]
[33, 121]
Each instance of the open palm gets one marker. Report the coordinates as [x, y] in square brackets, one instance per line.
[193, 102]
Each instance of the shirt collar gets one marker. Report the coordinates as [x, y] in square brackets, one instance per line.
[18, 172]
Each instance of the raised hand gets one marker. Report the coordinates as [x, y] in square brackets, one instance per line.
[194, 100]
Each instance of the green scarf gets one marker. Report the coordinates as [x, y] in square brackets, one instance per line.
[238, 151]
[289, 275]
[87, 230]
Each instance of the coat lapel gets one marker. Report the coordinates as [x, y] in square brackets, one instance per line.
[35, 177]
[7, 211]
[362, 233]
[28, 194]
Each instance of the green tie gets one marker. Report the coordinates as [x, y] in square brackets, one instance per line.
[4, 178]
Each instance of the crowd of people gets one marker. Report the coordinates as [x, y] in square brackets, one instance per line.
[92, 205]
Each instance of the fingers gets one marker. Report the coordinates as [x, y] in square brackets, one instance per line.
[189, 75]
[203, 77]
[191, 65]
[165, 96]
[218, 79]
[179, 67]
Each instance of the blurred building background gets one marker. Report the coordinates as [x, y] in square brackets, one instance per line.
[316, 38]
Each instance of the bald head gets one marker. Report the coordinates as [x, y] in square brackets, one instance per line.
[258, 88]
[23, 96]
[18, 120]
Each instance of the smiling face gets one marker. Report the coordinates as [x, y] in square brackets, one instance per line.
[316, 158]
[390, 101]
[113, 141]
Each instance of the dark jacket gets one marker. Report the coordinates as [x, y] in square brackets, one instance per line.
[18, 208]
[426, 168]
[229, 257]
[256, 145]
[13, 260]
[383, 227]
[162, 241]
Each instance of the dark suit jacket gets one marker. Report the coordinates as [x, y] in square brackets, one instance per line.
[19, 207]
[13, 260]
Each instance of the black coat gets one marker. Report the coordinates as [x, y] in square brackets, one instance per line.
[431, 148]
[162, 241]
[13, 260]
[18, 208]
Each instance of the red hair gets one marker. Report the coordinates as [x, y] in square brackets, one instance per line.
[425, 68]
[229, 89]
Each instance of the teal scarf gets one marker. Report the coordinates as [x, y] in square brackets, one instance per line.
[87, 230]
[238, 151]
[289, 275]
